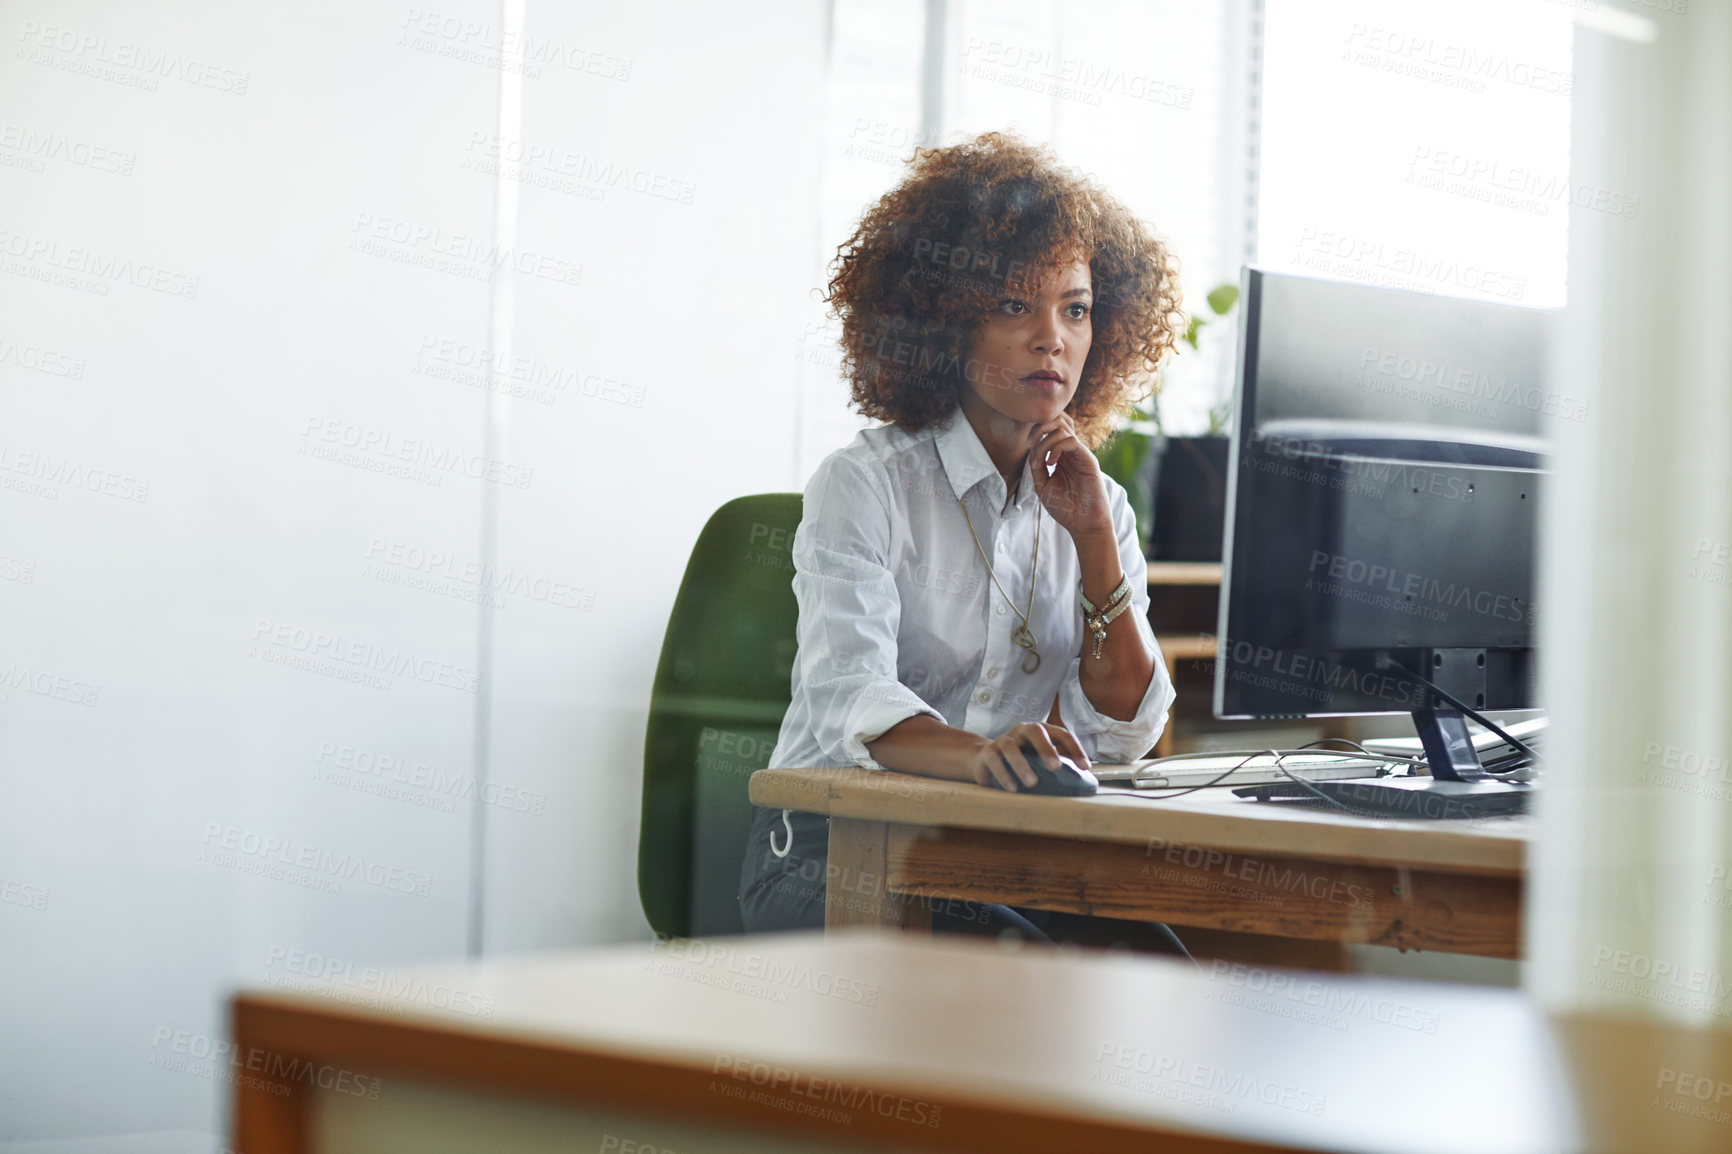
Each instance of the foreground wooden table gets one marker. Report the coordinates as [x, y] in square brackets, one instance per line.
[900, 843]
[874, 1041]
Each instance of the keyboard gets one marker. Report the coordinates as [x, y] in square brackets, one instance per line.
[1414, 797]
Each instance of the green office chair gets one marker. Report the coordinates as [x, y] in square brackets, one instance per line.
[720, 691]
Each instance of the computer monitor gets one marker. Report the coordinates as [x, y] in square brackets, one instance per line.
[1385, 476]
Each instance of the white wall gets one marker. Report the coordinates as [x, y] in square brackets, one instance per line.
[140, 708]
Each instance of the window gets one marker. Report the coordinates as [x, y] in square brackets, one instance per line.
[1145, 97]
[1423, 146]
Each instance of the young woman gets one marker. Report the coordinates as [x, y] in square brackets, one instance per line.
[969, 582]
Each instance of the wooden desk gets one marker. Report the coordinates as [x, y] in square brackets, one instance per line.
[953, 1045]
[899, 842]
[1184, 573]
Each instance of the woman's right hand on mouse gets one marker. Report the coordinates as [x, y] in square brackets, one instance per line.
[1002, 763]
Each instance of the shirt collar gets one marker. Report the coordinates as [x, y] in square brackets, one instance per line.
[966, 462]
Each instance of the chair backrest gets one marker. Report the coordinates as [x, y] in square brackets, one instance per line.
[721, 689]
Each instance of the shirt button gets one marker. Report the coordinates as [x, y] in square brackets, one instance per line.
[1001, 609]
[985, 697]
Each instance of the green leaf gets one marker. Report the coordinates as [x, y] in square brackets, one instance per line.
[1190, 337]
[1120, 458]
[1223, 297]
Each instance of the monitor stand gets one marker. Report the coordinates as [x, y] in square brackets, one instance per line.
[1448, 746]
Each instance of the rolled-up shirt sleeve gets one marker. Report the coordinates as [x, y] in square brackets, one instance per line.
[849, 613]
[1108, 740]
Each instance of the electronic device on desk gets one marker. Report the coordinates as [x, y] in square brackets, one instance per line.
[1384, 484]
[1495, 754]
[1245, 767]
[1066, 779]
[1413, 796]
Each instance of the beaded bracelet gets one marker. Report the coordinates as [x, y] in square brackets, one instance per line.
[1096, 620]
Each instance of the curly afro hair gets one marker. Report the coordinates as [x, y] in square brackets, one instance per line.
[969, 222]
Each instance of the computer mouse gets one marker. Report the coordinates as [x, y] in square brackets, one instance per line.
[1068, 780]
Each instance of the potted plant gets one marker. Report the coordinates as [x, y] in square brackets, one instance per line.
[1131, 457]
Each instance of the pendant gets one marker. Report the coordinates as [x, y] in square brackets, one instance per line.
[1023, 637]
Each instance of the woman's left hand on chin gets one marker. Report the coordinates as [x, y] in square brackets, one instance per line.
[1074, 495]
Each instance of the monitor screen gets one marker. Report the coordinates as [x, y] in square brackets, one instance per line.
[1385, 476]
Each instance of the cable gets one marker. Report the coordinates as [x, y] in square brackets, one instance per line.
[1366, 755]
[1280, 757]
[1504, 763]
[1465, 708]
[1325, 798]
[1410, 762]
[1249, 756]
[1194, 788]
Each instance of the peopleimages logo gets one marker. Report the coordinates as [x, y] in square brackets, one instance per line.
[1070, 78]
[1371, 258]
[225, 842]
[284, 643]
[461, 254]
[410, 559]
[749, 964]
[1469, 382]
[1491, 181]
[1204, 1084]
[1453, 64]
[65, 687]
[1689, 1094]
[369, 985]
[40, 360]
[1709, 561]
[555, 162]
[397, 779]
[786, 1088]
[19, 893]
[188, 1052]
[388, 447]
[35, 147]
[44, 473]
[1256, 988]
[1271, 878]
[94, 55]
[43, 253]
[535, 379]
[514, 51]
[1384, 579]
[1661, 980]
[1314, 676]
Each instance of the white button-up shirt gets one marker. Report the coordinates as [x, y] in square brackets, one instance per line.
[898, 616]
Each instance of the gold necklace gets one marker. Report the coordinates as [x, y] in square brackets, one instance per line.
[1022, 635]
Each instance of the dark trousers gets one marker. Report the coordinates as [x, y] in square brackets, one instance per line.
[789, 892]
